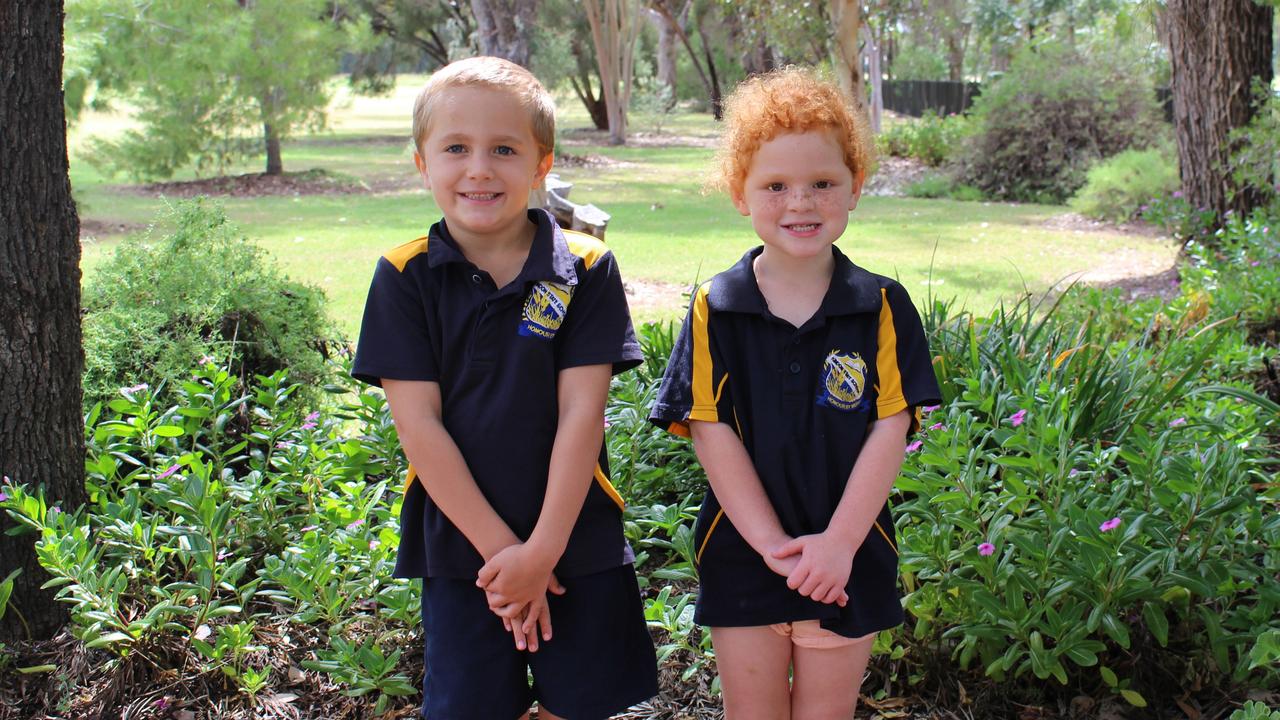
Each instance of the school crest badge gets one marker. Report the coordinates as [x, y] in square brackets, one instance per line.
[545, 309]
[844, 379]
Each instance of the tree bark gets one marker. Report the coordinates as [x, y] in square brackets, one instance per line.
[667, 32]
[503, 27]
[275, 164]
[41, 355]
[712, 87]
[615, 25]
[1216, 51]
[846, 19]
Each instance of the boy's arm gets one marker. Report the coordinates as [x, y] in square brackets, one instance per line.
[416, 409]
[826, 558]
[519, 573]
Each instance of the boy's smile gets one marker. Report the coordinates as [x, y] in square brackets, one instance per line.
[480, 160]
[798, 193]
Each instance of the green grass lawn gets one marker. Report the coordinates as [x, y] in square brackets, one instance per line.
[664, 231]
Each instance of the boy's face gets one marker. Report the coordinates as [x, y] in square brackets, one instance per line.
[798, 193]
[480, 160]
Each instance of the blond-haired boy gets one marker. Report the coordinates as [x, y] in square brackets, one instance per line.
[495, 338]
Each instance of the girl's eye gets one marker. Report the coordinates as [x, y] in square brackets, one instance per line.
[776, 187]
[455, 149]
[504, 150]
[822, 184]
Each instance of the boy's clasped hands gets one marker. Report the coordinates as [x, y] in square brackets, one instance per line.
[516, 581]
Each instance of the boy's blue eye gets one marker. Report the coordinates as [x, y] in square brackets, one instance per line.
[504, 150]
[455, 149]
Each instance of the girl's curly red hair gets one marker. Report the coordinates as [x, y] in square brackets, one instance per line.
[790, 99]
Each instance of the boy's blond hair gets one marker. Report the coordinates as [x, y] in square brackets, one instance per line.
[495, 74]
[790, 99]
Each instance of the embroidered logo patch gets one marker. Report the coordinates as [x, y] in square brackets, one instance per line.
[844, 378]
[544, 310]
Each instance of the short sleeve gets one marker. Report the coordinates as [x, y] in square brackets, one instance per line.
[597, 327]
[395, 338]
[904, 367]
[694, 384]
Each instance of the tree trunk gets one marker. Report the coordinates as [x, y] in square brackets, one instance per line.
[667, 32]
[872, 52]
[615, 25]
[846, 19]
[41, 356]
[712, 86]
[1216, 50]
[275, 165]
[503, 27]
[717, 94]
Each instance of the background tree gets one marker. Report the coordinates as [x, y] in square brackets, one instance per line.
[1233, 39]
[206, 75]
[615, 24]
[503, 28]
[435, 30]
[41, 428]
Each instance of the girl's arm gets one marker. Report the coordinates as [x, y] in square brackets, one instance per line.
[825, 559]
[738, 488]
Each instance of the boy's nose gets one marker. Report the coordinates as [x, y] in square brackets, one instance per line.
[479, 167]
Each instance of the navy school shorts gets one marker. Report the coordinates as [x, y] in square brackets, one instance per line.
[599, 661]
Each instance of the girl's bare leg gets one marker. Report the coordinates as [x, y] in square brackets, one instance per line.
[753, 664]
[826, 682]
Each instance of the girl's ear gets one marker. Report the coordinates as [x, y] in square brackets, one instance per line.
[422, 169]
[858, 180]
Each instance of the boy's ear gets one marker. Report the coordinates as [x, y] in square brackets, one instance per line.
[858, 181]
[740, 202]
[422, 168]
[544, 167]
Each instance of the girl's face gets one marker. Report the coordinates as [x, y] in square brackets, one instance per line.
[798, 193]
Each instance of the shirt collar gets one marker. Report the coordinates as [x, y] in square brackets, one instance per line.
[853, 290]
[549, 255]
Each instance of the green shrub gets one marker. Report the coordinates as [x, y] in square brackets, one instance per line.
[1255, 163]
[161, 303]
[1121, 187]
[931, 139]
[942, 186]
[1053, 115]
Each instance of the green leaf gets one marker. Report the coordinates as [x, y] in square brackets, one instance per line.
[1134, 698]
[1157, 623]
[168, 431]
[37, 669]
[1108, 676]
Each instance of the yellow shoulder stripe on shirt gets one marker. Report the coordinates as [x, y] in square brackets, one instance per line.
[406, 252]
[889, 398]
[588, 247]
[706, 396]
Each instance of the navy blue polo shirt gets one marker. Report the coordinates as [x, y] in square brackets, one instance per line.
[497, 353]
[802, 400]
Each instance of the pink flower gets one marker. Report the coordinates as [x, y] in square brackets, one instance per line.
[355, 524]
[1255, 263]
[54, 510]
[1110, 525]
[929, 408]
[222, 555]
[373, 544]
[986, 549]
[169, 471]
[3, 496]
[1177, 193]
[283, 445]
[1017, 418]
[312, 417]
[914, 446]
[308, 426]
[1074, 472]
[208, 360]
[161, 704]
[134, 388]
[937, 426]
[1177, 421]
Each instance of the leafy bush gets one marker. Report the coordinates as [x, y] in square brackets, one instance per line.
[161, 303]
[1173, 212]
[1255, 164]
[1052, 116]
[931, 138]
[1121, 187]
[942, 186]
